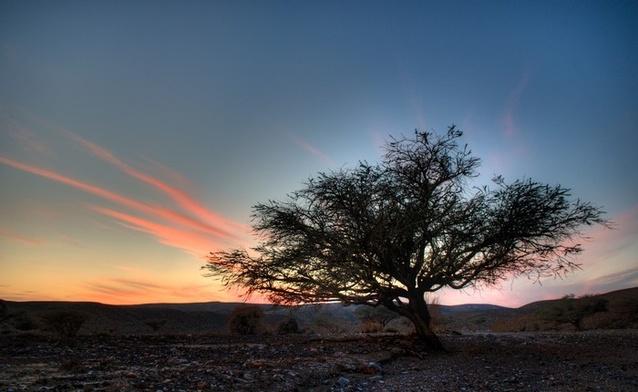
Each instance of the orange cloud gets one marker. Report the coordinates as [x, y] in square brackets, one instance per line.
[136, 291]
[195, 242]
[223, 231]
[183, 199]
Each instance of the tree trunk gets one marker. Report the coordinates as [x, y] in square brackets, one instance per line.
[417, 312]
[426, 335]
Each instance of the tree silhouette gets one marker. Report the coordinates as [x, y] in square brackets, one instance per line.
[387, 234]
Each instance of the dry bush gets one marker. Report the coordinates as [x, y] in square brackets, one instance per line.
[371, 326]
[287, 326]
[572, 310]
[620, 314]
[246, 320]
[65, 323]
[374, 318]
[326, 323]
[400, 325]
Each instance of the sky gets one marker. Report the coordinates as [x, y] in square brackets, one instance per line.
[135, 136]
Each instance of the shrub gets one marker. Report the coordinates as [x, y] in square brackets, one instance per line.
[374, 319]
[572, 310]
[371, 326]
[246, 320]
[65, 323]
[327, 323]
[287, 326]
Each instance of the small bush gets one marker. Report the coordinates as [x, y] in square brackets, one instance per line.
[370, 316]
[246, 320]
[327, 323]
[65, 323]
[287, 326]
[371, 326]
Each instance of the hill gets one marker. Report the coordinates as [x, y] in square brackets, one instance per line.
[207, 317]
[621, 311]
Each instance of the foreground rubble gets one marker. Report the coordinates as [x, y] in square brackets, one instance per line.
[584, 361]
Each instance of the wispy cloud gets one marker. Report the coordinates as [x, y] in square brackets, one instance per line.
[184, 200]
[312, 150]
[187, 224]
[25, 137]
[194, 241]
[21, 238]
[136, 291]
[509, 123]
[157, 211]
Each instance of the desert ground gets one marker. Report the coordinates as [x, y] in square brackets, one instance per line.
[189, 347]
[528, 361]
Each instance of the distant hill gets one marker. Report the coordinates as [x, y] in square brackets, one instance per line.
[207, 317]
[621, 312]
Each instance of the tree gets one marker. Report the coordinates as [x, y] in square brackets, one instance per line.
[389, 233]
[572, 310]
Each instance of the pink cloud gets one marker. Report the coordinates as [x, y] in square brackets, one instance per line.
[223, 231]
[138, 291]
[196, 242]
[173, 176]
[183, 199]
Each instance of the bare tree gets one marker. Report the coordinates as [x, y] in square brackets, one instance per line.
[388, 234]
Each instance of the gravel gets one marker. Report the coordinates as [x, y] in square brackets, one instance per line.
[576, 361]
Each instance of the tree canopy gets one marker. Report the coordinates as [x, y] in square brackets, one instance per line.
[388, 233]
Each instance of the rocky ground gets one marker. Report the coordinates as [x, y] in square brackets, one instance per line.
[583, 361]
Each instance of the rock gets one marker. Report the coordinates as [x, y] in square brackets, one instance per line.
[343, 381]
[349, 367]
[371, 368]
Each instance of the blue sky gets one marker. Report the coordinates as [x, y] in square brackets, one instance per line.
[136, 136]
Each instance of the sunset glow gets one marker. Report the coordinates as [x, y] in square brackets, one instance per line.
[132, 144]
